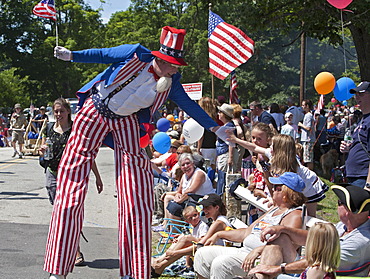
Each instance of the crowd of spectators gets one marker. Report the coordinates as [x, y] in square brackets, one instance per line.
[270, 141]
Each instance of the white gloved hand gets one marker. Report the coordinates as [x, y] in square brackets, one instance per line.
[62, 53]
[221, 133]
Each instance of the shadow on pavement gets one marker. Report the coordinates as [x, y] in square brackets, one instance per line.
[103, 264]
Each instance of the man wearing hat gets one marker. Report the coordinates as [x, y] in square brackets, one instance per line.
[353, 229]
[358, 159]
[114, 105]
[18, 123]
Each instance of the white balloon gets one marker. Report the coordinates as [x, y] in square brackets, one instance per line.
[192, 131]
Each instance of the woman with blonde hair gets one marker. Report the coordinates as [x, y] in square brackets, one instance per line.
[322, 252]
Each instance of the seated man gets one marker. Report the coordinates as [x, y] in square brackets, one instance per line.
[353, 228]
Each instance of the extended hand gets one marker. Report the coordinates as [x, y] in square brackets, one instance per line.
[62, 53]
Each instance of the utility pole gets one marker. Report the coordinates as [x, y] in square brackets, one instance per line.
[302, 77]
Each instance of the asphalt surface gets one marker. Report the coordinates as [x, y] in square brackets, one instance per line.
[25, 214]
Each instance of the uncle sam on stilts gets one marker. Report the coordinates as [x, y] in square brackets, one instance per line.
[113, 106]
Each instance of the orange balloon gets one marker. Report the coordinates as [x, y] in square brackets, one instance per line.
[324, 83]
[170, 117]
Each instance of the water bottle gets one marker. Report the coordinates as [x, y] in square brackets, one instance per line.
[49, 150]
[348, 136]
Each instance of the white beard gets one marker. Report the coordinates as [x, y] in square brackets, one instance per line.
[163, 84]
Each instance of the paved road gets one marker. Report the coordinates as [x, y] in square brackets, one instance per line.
[25, 213]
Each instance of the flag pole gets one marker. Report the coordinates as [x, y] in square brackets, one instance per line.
[56, 27]
[212, 77]
[56, 33]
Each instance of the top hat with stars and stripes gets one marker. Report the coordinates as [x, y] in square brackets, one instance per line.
[172, 46]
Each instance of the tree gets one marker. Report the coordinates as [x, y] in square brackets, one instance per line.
[27, 43]
[317, 18]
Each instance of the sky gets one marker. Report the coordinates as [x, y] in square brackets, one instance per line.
[109, 7]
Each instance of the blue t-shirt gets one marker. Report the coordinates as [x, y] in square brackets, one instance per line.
[357, 163]
[267, 118]
[221, 146]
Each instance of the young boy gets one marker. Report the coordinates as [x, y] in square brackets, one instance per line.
[289, 128]
[183, 245]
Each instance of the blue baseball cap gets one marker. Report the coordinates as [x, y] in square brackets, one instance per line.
[289, 179]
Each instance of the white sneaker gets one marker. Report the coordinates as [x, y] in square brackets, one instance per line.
[54, 276]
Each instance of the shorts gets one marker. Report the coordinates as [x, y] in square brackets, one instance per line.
[210, 154]
[307, 152]
[18, 137]
[176, 208]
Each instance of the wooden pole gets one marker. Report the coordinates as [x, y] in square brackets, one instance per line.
[302, 77]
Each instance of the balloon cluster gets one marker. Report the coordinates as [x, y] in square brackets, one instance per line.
[325, 83]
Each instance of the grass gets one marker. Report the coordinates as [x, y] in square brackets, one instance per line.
[326, 210]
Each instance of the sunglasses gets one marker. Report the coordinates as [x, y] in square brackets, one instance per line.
[179, 152]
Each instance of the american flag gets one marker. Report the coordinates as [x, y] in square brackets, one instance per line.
[229, 47]
[234, 99]
[320, 104]
[45, 9]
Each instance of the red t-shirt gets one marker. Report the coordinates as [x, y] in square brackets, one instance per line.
[171, 161]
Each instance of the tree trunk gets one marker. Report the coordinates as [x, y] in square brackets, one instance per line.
[361, 39]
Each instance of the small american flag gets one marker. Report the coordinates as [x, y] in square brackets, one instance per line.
[45, 9]
[234, 99]
[320, 104]
[229, 47]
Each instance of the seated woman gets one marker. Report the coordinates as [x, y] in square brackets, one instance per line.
[214, 208]
[228, 262]
[194, 181]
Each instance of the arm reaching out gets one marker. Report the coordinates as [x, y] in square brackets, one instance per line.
[99, 181]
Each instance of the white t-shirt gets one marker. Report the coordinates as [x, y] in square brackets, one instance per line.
[204, 189]
[224, 219]
[290, 130]
[200, 230]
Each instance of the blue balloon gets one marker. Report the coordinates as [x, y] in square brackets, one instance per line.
[161, 142]
[345, 103]
[163, 124]
[342, 87]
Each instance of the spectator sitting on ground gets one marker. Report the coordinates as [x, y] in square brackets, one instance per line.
[228, 262]
[214, 208]
[353, 228]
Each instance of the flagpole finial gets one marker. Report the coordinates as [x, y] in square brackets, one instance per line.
[210, 6]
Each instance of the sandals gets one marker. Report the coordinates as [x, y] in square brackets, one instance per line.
[80, 261]
[154, 274]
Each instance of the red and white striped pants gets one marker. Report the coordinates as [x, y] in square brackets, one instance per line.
[134, 182]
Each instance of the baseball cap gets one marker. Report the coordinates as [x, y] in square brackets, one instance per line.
[355, 198]
[361, 88]
[289, 179]
[17, 106]
[211, 199]
[42, 108]
[288, 114]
